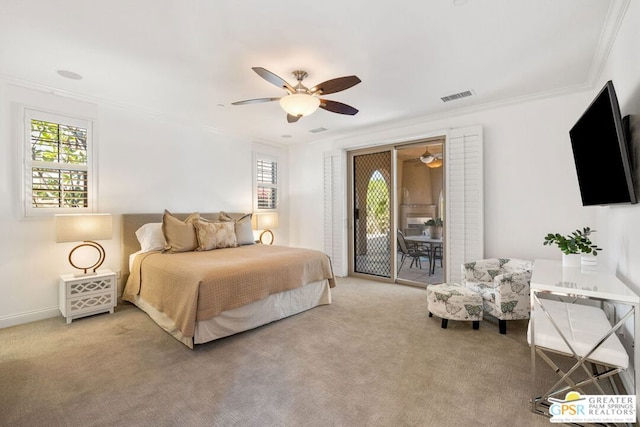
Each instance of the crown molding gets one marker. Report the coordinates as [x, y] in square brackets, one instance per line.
[612, 24]
[421, 126]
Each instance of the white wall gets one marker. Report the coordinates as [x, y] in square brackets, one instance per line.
[306, 192]
[619, 226]
[531, 187]
[146, 163]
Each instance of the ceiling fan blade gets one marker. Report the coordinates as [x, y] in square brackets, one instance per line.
[292, 119]
[335, 85]
[254, 101]
[337, 107]
[273, 79]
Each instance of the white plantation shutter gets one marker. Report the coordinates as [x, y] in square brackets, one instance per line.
[266, 183]
[58, 160]
[464, 199]
[334, 218]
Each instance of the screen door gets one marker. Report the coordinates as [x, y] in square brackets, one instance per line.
[371, 216]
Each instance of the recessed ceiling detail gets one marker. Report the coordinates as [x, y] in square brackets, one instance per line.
[69, 75]
[318, 130]
[458, 95]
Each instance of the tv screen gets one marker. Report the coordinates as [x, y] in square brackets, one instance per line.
[601, 151]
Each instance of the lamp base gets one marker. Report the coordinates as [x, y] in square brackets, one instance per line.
[94, 267]
[268, 240]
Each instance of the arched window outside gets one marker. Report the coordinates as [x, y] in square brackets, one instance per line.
[378, 213]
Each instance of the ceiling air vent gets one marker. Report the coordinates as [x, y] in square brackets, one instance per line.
[455, 96]
[318, 130]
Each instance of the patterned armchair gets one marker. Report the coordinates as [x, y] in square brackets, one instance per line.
[504, 286]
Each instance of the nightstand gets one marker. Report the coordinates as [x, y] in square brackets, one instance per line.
[82, 296]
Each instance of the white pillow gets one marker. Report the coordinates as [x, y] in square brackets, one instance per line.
[151, 237]
[244, 232]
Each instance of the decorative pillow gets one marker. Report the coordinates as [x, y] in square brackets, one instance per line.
[151, 237]
[215, 235]
[180, 235]
[243, 229]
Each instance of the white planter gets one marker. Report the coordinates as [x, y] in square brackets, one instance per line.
[571, 260]
[433, 232]
[588, 262]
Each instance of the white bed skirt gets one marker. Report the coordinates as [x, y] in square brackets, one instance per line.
[270, 309]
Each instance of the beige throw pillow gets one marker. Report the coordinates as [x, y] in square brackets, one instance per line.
[180, 235]
[215, 235]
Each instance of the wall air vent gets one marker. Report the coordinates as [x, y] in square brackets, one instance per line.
[455, 96]
[318, 130]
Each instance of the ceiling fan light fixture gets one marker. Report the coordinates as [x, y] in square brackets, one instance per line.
[427, 158]
[299, 104]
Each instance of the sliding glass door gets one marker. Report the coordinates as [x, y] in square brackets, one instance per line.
[420, 212]
[395, 193]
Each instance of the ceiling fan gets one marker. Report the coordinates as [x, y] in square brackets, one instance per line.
[432, 160]
[301, 101]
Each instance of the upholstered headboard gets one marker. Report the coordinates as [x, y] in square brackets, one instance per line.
[132, 221]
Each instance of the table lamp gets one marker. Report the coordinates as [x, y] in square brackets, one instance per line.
[85, 228]
[265, 221]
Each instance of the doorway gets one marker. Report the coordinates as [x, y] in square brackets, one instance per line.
[420, 212]
[396, 205]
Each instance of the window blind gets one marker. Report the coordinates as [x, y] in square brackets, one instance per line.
[464, 198]
[58, 164]
[267, 183]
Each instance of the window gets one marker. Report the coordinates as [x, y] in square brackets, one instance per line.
[58, 164]
[266, 183]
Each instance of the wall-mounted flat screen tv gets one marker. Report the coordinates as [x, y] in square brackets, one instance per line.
[601, 150]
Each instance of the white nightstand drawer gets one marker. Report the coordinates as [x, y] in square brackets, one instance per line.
[90, 304]
[89, 285]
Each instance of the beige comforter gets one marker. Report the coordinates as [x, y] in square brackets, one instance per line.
[193, 286]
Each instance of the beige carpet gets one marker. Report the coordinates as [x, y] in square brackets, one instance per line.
[372, 358]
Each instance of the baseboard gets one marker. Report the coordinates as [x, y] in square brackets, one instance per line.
[28, 317]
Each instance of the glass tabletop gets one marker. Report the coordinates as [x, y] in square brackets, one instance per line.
[552, 276]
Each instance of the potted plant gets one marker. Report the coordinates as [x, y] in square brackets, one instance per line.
[434, 228]
[576, 243]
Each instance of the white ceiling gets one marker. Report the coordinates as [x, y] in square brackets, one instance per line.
[190, 59]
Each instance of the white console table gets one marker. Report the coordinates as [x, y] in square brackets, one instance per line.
[550, 277]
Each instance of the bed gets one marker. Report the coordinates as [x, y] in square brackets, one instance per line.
[203, 295]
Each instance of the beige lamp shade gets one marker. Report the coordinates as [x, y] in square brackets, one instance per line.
[80, 227]
[85, 228]
[265, 221]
